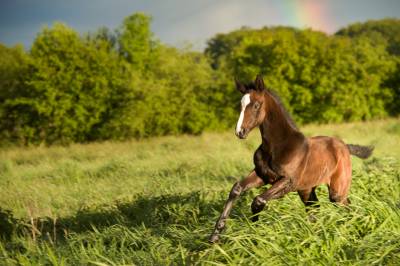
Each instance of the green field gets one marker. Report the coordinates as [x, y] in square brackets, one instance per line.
[155, 202]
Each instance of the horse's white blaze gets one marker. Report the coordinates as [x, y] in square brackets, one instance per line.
[245, 101]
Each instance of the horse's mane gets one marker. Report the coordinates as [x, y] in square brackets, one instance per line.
[285, 112]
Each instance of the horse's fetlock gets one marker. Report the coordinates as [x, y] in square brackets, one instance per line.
[333, 197]
[260, 201]
[220, 224]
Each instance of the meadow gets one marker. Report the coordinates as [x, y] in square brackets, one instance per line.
[155, 202]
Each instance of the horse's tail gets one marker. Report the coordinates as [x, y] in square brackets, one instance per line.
[362, 152]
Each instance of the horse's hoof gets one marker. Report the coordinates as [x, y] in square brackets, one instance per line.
[254, 218]
[312, 218]
[213, 238]
[257, 205]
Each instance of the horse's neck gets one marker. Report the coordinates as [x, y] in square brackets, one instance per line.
[276, 130]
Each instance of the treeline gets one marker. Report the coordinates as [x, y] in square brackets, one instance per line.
[125, 83]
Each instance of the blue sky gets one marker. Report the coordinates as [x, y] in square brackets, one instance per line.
[178, 21]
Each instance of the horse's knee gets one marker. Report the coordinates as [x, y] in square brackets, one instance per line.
[235, 191]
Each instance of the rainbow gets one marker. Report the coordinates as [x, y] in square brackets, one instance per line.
[306, 14]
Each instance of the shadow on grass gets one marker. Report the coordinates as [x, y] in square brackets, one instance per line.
[191, 212]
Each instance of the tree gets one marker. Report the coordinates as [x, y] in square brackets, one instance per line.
[14, 73]
[320, 78]
[136, 41]
[384, 32]
[66, 91]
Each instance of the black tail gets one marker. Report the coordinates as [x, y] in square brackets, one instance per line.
[362, 152]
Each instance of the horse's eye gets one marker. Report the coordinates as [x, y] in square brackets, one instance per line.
[256, 105]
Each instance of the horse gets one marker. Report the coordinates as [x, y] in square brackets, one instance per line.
[286, 159]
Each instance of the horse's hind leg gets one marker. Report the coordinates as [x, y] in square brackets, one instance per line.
[251, 181]
[310, 200]
[338, 197]
[339, 188]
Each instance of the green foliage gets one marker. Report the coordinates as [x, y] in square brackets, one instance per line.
[385, 32]
[320, 78]
[126, 84]
[68, 87]
[14, 72]
[171, 100]
[136, 42]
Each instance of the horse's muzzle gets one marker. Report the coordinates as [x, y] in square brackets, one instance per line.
[242, 134]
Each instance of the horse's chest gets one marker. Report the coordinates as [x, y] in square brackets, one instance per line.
[264, 167]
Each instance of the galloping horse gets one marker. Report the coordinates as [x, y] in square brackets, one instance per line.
[286, 159]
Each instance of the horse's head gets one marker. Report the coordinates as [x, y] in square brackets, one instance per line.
[253, 106]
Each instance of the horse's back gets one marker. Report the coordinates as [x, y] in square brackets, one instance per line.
[324, 142]
[328, 148]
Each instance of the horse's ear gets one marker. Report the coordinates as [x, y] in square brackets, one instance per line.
[240, 87]
[259, 83]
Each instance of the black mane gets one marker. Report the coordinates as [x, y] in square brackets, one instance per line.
[282, 107]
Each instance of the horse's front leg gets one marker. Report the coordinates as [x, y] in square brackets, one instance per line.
[251, 181]
[278, 190]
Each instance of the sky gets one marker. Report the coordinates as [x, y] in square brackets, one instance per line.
[178, 22]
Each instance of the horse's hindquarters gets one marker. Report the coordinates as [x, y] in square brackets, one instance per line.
[328, 160]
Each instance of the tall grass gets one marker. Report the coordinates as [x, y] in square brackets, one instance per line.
[155, 202]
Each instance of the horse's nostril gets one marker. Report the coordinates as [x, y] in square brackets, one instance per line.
[241, 133]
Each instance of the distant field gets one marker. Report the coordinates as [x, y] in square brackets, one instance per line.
[155, 202]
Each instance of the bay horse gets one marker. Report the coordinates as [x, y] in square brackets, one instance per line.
[287, 159]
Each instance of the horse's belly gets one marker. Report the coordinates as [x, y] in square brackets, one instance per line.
[310, 180]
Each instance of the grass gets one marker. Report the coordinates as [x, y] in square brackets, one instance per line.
[155, 202]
